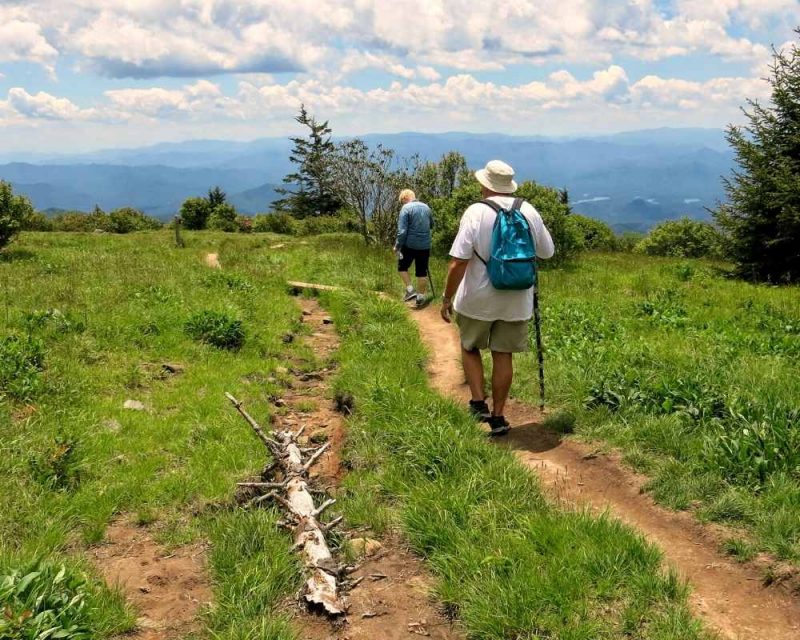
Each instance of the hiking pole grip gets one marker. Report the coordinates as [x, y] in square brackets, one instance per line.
[537, 320]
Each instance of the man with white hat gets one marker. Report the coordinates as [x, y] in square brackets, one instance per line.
[490, 318]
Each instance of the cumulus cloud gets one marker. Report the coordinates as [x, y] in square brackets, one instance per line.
[22, 40]
[191, 38]
[42, 105]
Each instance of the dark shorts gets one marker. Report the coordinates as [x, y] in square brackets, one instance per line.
[420, 258]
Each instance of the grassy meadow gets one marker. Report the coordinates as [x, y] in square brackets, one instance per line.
[692, 376]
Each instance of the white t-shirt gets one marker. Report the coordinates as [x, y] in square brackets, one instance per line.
[476, 297]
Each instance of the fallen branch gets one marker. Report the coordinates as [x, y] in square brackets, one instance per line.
[293, 493]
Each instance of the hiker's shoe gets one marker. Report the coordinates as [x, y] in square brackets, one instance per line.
[410, 295]
[480, 410]
[422, 301]
[498, 426]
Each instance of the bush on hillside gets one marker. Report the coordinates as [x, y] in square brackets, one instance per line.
[566, 233]
[223, 218]
[628, 240]
[14, 210]
[244, 224]
[128, 219]
[282, 223]
[684, 238]
[327, 224]
[597, 235]
[195, 213]
[217, 329]
[37, 221]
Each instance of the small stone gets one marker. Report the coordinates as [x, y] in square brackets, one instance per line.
[327, 320]
[306, 312]
[365, 546]
[288, 338]
[173, 367]
[133, 405]
[280, 402]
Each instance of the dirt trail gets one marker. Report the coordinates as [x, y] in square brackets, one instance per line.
[392, 602]
[728, 596]
[167, 588]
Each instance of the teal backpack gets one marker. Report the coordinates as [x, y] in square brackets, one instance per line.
[512, 263]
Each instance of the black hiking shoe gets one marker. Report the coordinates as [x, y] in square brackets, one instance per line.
[480, 410]
[498, 426]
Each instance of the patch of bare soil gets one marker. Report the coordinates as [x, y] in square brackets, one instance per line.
[392, 600]
[212, 260]
[730, 597]
[168, 589]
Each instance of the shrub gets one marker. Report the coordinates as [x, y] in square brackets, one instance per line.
[684, 238]
[629, 240]
[597, 235]
[58, 468]
[21, 362]
[223, 218]
[326, 224]
[555, 213]
[14, 210]
[44, 602]
[244, 224]
[195, 213]
[37, 221]
[565, 231]
[216, 329]
[274, 223]
[127, 219]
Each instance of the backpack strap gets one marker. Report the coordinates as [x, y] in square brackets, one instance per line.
[517, 206]
[497, 209]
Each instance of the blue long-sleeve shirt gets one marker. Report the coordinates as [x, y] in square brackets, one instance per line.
[414, 226]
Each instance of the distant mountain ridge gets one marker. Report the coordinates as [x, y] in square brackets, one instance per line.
[632, 180]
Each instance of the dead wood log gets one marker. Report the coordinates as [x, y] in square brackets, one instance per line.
[293, 493]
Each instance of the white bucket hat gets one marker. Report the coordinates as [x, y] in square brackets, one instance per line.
[497, 176]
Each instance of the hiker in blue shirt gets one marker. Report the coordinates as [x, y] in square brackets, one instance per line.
[413, 244]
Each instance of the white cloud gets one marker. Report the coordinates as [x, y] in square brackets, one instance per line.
[42, 105]
[188, 38]
[22, 40]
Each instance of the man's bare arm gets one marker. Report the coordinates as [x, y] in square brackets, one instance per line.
[455, 274]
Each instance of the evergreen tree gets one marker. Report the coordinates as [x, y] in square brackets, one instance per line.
[762, 217]
[216, 197]
[312, 194]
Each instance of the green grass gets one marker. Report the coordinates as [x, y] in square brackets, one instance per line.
[692, 376]
[108, 312]
[508, 564]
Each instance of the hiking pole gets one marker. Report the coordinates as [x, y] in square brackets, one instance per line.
[430, 282]
[537, 320]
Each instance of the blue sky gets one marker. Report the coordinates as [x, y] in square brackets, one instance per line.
[88, 74]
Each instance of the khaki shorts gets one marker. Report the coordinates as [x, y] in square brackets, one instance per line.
[497, 335]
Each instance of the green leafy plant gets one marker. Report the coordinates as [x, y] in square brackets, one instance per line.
[684, 238]
[60, 466]
[21, 362]
[44, 602]
[217, 329]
